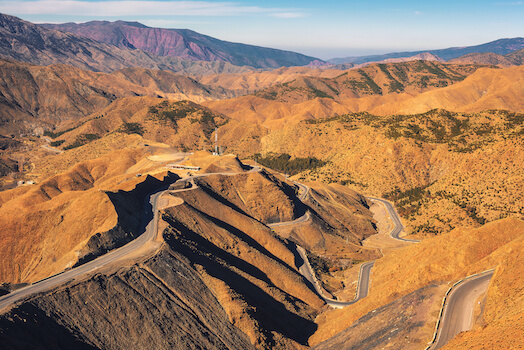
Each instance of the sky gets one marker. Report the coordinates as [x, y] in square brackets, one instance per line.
[320, 28]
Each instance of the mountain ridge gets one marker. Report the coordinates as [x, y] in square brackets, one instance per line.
[182, 43]
[27, 42]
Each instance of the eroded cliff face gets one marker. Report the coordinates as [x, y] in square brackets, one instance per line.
[160, 303]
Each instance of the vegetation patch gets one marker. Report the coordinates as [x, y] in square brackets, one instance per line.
[284, 163]
[319, 264]
[131, 128]
[54, 135]
[408, 202]
[57, 143]
[394, 84]
[365, 84]
[82, 140]
[173, 113]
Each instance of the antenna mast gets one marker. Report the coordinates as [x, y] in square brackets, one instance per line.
[216, 141]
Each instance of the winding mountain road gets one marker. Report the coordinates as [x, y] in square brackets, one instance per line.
[365, 269]
[148, 235]
[395, 218]
[457, 315]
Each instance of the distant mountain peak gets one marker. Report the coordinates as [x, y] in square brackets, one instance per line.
[500, 46]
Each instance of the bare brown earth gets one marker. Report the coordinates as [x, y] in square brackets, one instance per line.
[441, 259]
[401, 324]
[251, 271]
[182, 124]
[182, 43]
[46, 227]
[28, 42]
[462, 168]
[446, 171]
[512, 59]
[254, 81]
[339, 220]
[257, 194]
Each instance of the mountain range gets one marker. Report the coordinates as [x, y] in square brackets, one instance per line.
[501, 47]
[183, 43]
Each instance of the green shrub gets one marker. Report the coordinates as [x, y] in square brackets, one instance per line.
[131, 128]
[57, 143]
[284, 163]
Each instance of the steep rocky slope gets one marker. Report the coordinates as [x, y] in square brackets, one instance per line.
[486, 89]
[160, 302]
[49, 226]
[215, 236]
[378, 88]
[433, 165]
[182, 43]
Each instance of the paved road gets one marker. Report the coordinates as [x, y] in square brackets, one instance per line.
[48, 147]
[50, 282]
[307, 271]
[458, 310]
[362, 288]
[396, 220]
[52, 149]
[150, 230]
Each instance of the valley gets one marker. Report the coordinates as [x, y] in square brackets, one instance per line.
[165, 189]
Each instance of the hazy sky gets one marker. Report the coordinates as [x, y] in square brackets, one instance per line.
[321, 28]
